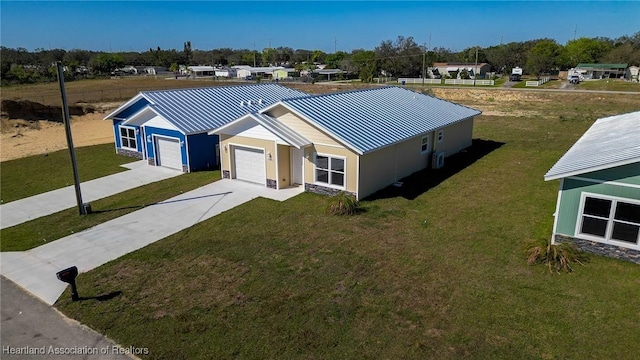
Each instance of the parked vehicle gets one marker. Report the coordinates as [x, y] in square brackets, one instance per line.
[574, 79]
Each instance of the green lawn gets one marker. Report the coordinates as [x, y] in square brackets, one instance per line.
[609, 85]
[434, 270]
[37, 174]
[49, 228]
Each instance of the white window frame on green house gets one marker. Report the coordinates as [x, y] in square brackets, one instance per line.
[424, 144]
[440, 136]
[611, 220]
[128, 137]
[330, 171]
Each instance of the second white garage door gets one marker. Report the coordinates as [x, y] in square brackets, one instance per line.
[249, 165]
[168, 153]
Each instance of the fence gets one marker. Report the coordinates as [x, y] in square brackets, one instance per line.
[537, 83]
[469, 82]
[419, 81]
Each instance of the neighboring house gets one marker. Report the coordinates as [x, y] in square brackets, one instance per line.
[283, 73]
[599, 71]
[631, 73]
[598, 205]
[226, 72]
[358, 142]
[200, 71]
[454, 69]
[169, 128]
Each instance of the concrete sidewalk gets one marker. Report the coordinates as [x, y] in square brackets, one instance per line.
[30, 324]
[35, 269]
[20, 211]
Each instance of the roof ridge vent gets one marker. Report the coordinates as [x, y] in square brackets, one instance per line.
[260, 101]
[249, 102]
[241, 103]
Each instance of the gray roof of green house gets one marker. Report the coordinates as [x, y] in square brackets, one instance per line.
[609, 142]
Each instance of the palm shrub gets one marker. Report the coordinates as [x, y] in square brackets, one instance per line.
[558, 257]
[343, 204]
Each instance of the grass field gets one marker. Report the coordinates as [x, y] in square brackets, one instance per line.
[433, 270]
[36, 174]
[53, 227]
[106, 90]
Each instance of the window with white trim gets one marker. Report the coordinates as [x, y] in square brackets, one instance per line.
[128, 137]
[440, 136]
[330, 170]
[610, 219]
[424, 144]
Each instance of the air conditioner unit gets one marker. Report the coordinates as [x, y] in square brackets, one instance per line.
[438, 160]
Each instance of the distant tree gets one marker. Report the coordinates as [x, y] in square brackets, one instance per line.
[105, 63]
[269, 56]
[318, 56]
[400, 58]
[544, 57]
[587, 50]
[333, 60]
[188, 53]
[364, 63]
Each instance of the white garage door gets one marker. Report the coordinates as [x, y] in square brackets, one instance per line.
[168, 153]
[249, 165]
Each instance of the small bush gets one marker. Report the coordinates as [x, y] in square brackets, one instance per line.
[558, 257]
[343, 204]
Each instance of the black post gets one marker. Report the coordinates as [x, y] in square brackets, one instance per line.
[74, 291]
[67, 128]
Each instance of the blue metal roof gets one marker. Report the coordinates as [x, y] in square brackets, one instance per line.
[609, 142]
[202, 109]
[366, 120]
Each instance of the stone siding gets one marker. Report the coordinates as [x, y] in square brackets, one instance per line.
[226, 174]
[129, 153]
[272, 184]
[598, 248]
[151, 161]
[324, 190]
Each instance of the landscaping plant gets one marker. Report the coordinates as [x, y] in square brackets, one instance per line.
[343, 204]
[557, 257]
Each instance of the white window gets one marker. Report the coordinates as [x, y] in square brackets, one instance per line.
[128, 137]
[440, 136]
[330, 170]
[608, 218]
[424, 144]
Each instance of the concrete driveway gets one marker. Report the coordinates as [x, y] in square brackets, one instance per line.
[20, 211]
[35, 269]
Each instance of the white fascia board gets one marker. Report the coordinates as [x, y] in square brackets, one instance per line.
[592, 169]
[135, 115]
[220, 129]
[124, 106]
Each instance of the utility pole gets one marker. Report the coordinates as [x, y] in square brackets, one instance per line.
[475, 72]
[83, 209]
[500, 39]
[335, 45]
[254, 54]
[575, 30]
[424, 53]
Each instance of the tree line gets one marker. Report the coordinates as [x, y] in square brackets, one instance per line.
[401, 57]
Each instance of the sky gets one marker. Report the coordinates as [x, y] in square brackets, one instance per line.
[310, 25]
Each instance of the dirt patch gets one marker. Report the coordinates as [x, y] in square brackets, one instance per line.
[22, 138]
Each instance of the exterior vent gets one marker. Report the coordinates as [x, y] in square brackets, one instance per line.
[438, 160]
[260, 101]
[241, 103]
[249, 102]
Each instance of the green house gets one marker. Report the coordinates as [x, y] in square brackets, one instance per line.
[598, 206]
